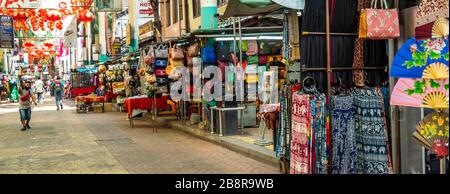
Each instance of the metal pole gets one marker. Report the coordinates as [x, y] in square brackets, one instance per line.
[328, 40]
[442, 166]
[240, 62]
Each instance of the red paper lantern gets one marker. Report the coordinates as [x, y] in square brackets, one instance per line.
[48, 44]
[59, 25]
[63, 5]
[28, 44]
[46, 54]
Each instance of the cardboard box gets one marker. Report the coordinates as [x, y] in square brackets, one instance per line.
[108, 107]
[97, 109]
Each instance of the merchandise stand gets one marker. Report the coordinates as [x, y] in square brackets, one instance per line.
[329, 69]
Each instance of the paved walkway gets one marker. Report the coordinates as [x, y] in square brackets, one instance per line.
[67, 142]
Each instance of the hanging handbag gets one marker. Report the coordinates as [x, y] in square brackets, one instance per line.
[176, 62]
[148, 59]
[161, 80]
[222, 65]
[162, 89]
[209, 55]
[193, 50]
[274, 58]
[160, 72]
[380, 23]
[160, 63]
[252, 59]
[251, 69]
[264, 48]
[362, 34]
[244, 46]
[222, 51]
[162, 51]
[263, 59]
[234, 58]
[252, 47]
[177, 53]
[251, 78]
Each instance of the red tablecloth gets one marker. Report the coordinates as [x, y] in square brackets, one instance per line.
[82, 91]
[94, 99]
[144, 103]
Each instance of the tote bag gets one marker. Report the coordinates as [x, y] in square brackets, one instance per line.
[193, 50]
[177, 53]
[209, 55]
[380, 23]
[160, 63]
[162, 51]
[252, 47]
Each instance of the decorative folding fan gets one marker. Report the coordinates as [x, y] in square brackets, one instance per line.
[430, 10]
[437, 29]
[421, 93]
[416, 56]
[432, 133]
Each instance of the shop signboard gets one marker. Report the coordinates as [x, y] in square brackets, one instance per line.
[146, 30]
[128, 39]
[145, 9]
[117, 45]
[70, 35]
[108, 5]
[6, 32]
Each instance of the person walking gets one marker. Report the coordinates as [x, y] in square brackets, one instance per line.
[58, 90]
[26, 96]
[39, 84]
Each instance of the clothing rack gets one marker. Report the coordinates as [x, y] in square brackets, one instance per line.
[329, 69]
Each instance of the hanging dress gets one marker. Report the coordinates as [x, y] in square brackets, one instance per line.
[371, 133]
[300, 156]
[344, 142]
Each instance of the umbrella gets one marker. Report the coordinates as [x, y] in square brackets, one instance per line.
[432, 133]
[426, 58]
[430, 10]
[421, 93]
[436, 29]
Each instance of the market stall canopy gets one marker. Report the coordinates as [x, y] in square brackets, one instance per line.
[237, 8]
[296, 4]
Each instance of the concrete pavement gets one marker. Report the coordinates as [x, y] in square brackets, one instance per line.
[67, 142]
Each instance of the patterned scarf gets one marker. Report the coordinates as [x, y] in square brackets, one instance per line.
[371, 133]
[300, 152]
[344, 142]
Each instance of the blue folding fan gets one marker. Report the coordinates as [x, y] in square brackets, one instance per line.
[426, 59]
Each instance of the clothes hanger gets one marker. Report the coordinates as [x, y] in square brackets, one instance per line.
[309, 90]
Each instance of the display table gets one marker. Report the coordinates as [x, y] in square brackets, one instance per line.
[82, 91]
[84, 102]
[143, 103]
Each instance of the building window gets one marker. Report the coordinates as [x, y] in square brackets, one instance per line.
[196, 6]
[168, 13]
[175, 11]
[221, 2]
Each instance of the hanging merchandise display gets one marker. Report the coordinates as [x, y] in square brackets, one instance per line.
[372, 144]
[309, 154]
[379, 23]
[432, 133]
[421, 93]
[436, 29]
[430, 10]
[428, 58]
[344, 135]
